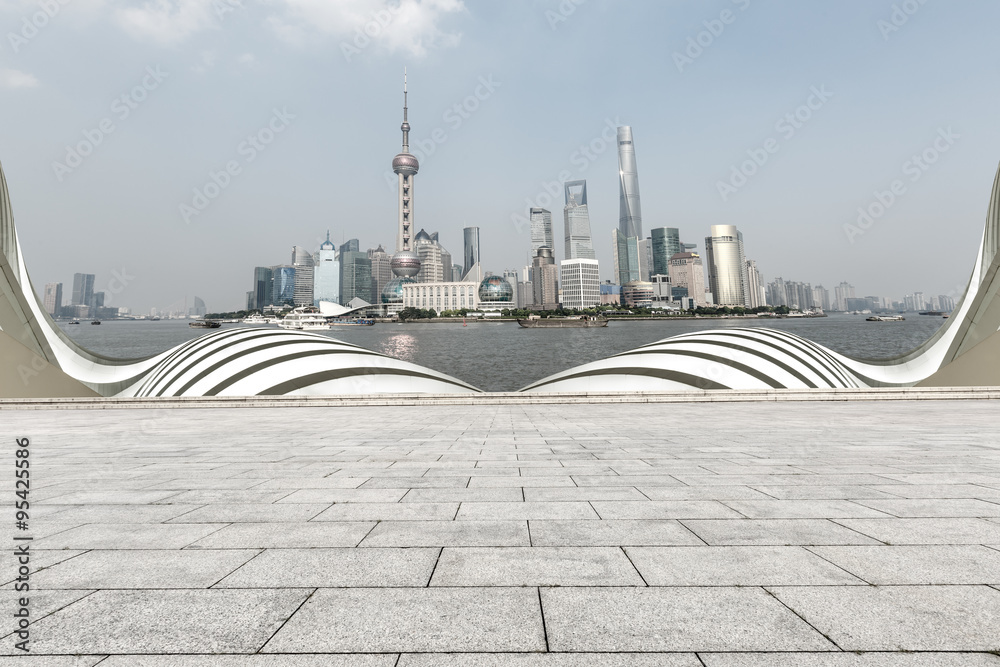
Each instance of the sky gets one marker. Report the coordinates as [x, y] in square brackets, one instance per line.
[171, 146]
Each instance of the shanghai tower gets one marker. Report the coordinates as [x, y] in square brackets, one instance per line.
[630, 213]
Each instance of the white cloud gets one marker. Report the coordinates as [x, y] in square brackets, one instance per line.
[412, 27]
[166, 21]
[12, 78]
[247, 59]
[205, 62]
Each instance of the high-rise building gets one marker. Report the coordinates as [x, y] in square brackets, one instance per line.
[776, 293]
[687, 277]
[470, 254]
[544, 280]
[283, 285]
[541, 231]
[431, 257]
[626, 257]
[727, 269]
[629, 212]
[645, 247]
[261, 294]
[405, 264]
[665, 243]
[821, 297]
[53, 299]
[576, 222]
[581, 283]
[199, 309]
[83, 289]
[355, 275]
[842, 293]
[756, 297]
[326, 274]
[381, 269]
[303, 263]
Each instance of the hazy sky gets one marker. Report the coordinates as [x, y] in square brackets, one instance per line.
[505, 98]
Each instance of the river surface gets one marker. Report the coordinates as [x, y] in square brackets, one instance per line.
[501, 356]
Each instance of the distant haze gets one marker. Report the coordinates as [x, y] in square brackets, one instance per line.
[184, 142]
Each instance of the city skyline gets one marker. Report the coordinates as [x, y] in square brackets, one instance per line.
[866, 116]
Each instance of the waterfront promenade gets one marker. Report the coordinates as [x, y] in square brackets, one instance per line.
[511, 531]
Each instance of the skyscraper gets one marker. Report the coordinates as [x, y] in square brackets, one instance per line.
[283, 285]
[629, 211]
[303, 263]
[626, 251]
[545, 280]
[381, 271]
[842, 293]
[687, 277]
[431, 257]
[755, 286]
[541, 230]
[263, 283]
[326, 274]
[581, 283]
[471, 248]
[53, 298]
[355, 273]
[666, 242]
[83, 289]
[727, 269]
[576, 222]
[405, 263]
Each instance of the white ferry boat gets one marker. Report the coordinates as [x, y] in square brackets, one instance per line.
[305, 318]
[256, 318]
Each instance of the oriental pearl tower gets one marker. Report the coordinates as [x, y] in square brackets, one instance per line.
[405, 263]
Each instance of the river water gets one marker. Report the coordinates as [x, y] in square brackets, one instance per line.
[501, 356]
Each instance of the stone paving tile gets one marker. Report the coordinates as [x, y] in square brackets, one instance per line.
[39, 561]
[499, 495]
[701, 493]
[250, 513]
[525, 510]
[822, 492]
[781, 480]
[610, 533]
[203, 496]
[539, 480]
[849, 660]
[535, 566]
[549, 660]
[325, 660]
[335, 568]
[927, 531]
[936, 507]
[414, 620]
[330, 496]
[42, 604]
[673, 619]
[939, 564]
[901, 618]
[736, 566]
[128, 536]
[286, 535]
[389, 512]
[939, 491]
[292, 483]
[142, 569]
[630, 480]
[802, 509]
[81, 514]
[448, 534]
[440, 482]
[571, 494]
[157, 621]
[51, 661]
[664, 509]
[777, 532]
[116, 497]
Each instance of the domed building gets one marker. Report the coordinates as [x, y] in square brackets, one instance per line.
[495, 293]
[392, 293]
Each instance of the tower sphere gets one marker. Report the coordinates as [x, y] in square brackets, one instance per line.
[405, 264]
[405, 163]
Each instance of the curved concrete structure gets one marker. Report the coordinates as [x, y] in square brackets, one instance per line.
[240, 362]
[758, 358]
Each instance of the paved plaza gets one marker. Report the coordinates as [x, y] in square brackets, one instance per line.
[842, 534]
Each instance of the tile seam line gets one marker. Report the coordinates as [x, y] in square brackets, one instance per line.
[767, 590]
[285, 622]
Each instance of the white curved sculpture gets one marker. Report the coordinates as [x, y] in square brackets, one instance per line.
[965, 351]
[240, 362]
